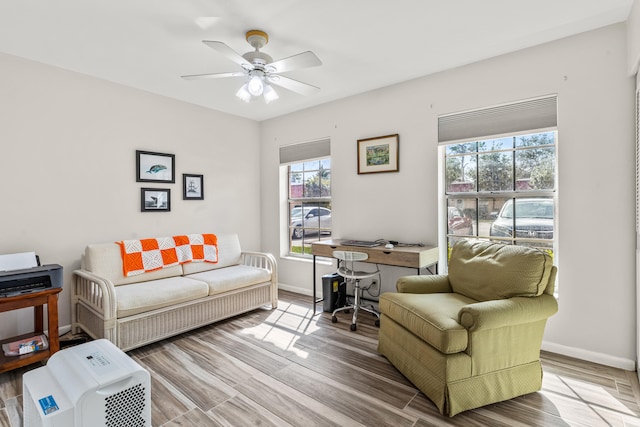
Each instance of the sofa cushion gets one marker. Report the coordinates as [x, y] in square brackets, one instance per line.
[105, 260]
[229, 253]
[487, 271]
[151, 295]
[431, 317]
[233, 277]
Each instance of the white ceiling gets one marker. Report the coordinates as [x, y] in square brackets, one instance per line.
[363, 44]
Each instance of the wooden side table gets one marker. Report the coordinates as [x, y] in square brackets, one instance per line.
[37, 300]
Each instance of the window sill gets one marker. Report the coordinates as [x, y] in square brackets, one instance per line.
[319, 260]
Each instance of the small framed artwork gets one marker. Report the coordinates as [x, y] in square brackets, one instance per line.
[193, 187]
[155, 199]
[378, 154]
[155, 167]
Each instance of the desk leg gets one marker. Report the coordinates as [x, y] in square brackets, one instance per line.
[52, 312]
[314, 285]
[38, 319]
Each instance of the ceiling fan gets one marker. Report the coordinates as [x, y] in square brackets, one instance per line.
[260, 70]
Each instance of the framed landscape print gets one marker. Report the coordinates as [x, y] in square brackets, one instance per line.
[378, 154]
[155, 199]
[155, 167]
[193, 187]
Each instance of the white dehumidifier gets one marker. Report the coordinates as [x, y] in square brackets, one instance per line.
[90, 385]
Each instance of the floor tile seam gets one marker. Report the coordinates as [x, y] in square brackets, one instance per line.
[634, 384]
[373, 401]
[241, 394]
[362, 370]
[262, 350]
[588, 403]
[175, 392]
[283, 385]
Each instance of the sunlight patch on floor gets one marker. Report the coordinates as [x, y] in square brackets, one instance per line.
[284, 327]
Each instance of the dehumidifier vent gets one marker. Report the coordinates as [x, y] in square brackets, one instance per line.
[126, 407]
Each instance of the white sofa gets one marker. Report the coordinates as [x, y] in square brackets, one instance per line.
[137, 310]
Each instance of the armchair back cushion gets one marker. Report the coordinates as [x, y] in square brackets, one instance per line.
[488, 271]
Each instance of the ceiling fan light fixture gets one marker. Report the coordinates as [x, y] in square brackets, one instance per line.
[255, 86]
[270, 94]
[243, 93]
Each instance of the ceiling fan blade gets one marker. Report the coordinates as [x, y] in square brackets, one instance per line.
[293, 85]
[213, 76]
[302, 60]
[229, 53]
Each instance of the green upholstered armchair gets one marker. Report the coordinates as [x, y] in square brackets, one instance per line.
[472, 337]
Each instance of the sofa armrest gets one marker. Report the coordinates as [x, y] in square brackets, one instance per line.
[512, 311]
[268, 262]
[97, 293]
[427, 284]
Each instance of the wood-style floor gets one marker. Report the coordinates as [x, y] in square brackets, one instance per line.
[287, 367]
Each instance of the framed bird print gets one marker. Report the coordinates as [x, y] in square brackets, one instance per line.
[155, 199]
[155, 167]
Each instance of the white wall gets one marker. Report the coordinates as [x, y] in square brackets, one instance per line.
[67, 169]
[596, 240]
[633, 38]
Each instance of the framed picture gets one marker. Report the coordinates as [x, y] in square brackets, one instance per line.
[193, 187]
[155, 199]
[155, 167]
[378, 154]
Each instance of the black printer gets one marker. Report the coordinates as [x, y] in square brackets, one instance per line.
[39, 278]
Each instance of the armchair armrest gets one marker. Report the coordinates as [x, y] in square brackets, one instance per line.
[427, 284]
[512, 311]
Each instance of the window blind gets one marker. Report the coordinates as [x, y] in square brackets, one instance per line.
[533, 114]
[305, 151]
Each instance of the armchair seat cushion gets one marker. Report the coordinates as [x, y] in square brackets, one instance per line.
[431, 317]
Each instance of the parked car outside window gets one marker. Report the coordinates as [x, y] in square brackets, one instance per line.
[310, 220]
[458, 223]
[533, 219]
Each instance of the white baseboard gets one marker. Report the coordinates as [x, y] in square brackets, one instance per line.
[298, 290]
[590, 356]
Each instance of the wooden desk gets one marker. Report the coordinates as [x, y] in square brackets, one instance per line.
[37, 300]
[417, 257]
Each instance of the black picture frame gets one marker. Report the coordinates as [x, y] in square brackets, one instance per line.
[155, 199]
[155, 167]
[192, 186]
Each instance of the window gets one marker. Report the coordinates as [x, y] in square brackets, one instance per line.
[309, 203]
[502, 190]
[305, 171]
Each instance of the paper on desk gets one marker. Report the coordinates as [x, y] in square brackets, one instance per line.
[18, 261]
